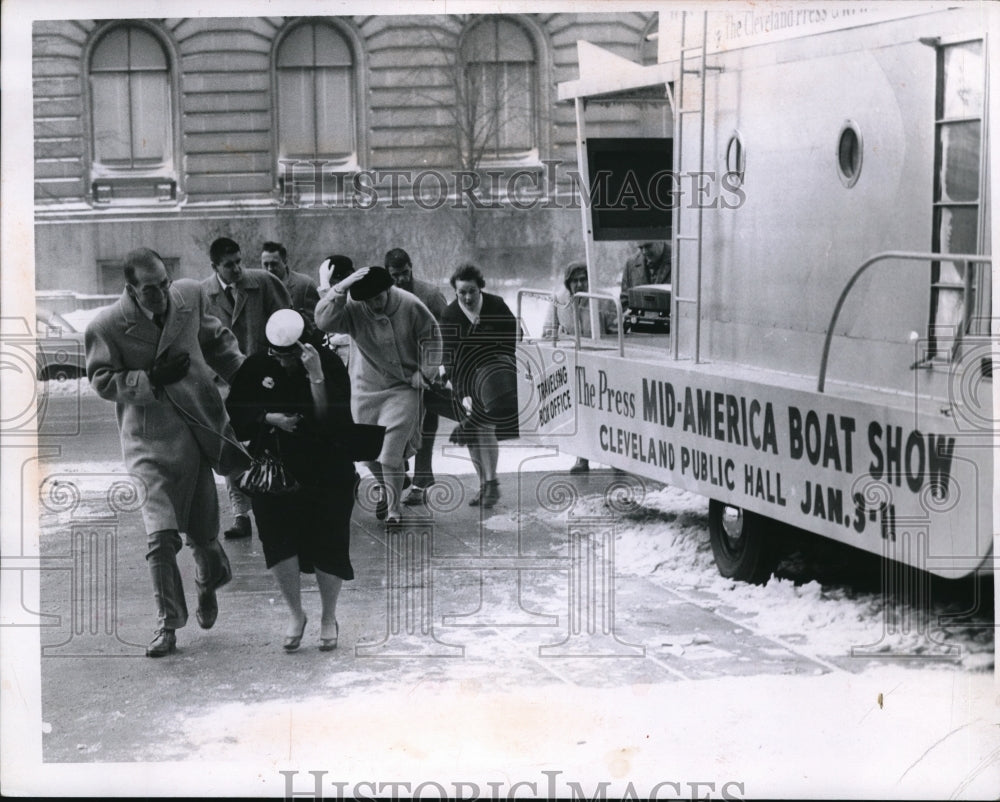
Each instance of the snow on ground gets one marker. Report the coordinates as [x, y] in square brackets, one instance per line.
[799, 737]
[891, 730]
[665, 539]
[888, 730]
[64, 388]
[885, 729]
[79, 318]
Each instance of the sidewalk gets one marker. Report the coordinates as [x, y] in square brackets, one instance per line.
[476, 646]
[520, 596]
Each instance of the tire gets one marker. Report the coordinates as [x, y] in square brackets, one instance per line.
[60, 373]
[740, 544]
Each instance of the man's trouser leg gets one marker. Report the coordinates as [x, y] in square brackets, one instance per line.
[211, 565]
[423, 471]
[239, 499]
[168, 589]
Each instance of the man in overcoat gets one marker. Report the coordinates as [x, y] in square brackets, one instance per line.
[243, 299]
[155, 353]
[301, 289]
[651, 265]
[395, 351]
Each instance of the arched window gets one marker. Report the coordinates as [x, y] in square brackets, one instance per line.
[131, 119]
[316, 94]
[499, 66]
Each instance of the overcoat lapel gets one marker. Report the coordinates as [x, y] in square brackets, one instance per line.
[135, 323]
[241, 298]
[175, 321]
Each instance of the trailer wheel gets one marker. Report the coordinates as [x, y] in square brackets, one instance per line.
[739, 543]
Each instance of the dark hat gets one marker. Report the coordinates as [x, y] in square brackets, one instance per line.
[375, 281]
[571, 269]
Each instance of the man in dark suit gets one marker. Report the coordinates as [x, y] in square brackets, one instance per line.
[301, 288]
[243, 299]
[155, 354]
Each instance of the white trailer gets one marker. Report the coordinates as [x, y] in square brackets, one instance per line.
[829, 359]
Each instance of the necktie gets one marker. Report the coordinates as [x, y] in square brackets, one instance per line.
[158, 319]
[231, 295]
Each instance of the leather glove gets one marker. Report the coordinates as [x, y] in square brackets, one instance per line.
[167, 371]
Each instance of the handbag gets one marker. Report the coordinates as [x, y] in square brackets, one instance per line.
[440, 400]
[464, 434]
[362, 441]
[267, 475]
[497, 389]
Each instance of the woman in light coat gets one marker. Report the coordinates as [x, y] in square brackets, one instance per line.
[395, 351]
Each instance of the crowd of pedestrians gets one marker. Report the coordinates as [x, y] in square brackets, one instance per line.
[250, 368]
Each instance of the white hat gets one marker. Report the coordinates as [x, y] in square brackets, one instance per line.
[284, 328]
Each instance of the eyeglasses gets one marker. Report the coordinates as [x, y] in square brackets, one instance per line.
[155, 290]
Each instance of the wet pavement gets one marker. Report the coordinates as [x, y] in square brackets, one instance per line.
[521, 596]
[536, 640]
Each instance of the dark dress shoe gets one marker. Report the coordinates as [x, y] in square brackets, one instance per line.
[163, 643]
[491, 494]
[208, 607]
[415, 497]
[240, 528]
[329, 644]
[580, 466]
[292, 642]
[208, 604]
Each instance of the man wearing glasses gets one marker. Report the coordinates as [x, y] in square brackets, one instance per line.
[243, 299]
[155, 353]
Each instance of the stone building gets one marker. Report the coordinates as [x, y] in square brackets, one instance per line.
[441, 134]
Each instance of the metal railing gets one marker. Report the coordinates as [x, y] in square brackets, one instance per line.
[619, 316]
[905, 255]
[547, 295]
[575, 299]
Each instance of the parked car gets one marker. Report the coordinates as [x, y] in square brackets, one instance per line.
[59, 349]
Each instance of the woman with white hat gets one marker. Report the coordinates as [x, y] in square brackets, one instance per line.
[295, 398]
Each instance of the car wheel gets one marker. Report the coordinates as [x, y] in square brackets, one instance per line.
[740, 543]
[60, 373]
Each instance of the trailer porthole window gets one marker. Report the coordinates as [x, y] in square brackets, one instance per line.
[849, 148]
[736, 157]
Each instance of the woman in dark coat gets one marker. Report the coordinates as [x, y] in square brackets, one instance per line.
[299, 395]
[479, 333]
